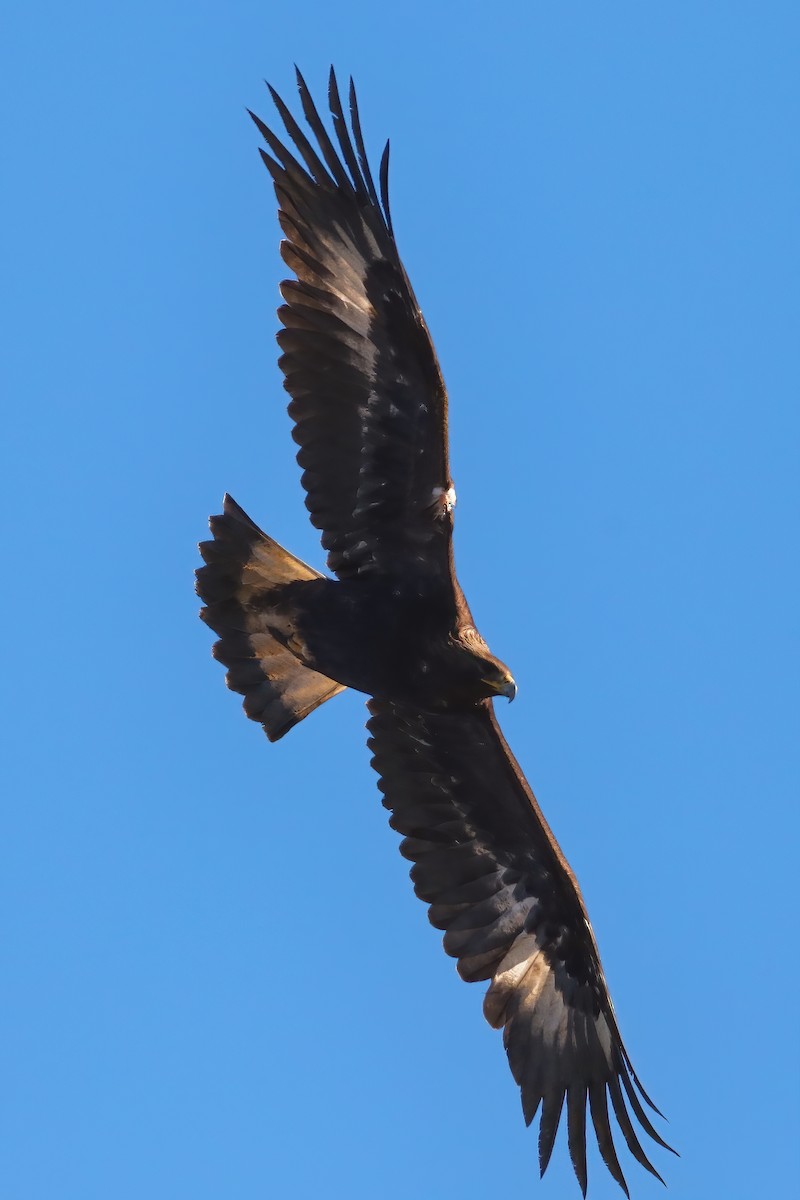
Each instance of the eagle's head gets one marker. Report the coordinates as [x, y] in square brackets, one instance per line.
[486, 675]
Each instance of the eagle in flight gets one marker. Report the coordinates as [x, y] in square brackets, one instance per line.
[369, 408]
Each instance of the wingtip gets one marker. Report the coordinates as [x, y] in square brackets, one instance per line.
[639, 1086]
[649, 1166]
[545, 1150]
[259, 124]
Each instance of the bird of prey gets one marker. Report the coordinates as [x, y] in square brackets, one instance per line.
[369, 408]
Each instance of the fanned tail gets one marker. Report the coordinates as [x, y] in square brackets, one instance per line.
[245, 571]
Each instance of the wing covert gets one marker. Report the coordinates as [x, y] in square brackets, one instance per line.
[368, 399]
[497, 884]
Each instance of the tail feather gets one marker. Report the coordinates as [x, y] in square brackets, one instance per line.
[243, 566]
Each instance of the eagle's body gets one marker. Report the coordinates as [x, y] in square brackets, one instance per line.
[370, 417]
[392, 641]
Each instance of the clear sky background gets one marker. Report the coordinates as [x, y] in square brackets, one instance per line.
[216, 979]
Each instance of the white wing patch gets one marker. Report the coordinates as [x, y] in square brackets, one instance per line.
[443, 500]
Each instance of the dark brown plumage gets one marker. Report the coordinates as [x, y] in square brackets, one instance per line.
[370, 413]
[495, 880]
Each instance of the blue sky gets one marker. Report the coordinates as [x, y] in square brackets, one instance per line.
[217, 980]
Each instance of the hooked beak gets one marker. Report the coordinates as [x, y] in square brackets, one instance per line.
[509, 689]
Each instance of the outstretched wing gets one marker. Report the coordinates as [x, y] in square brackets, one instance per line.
[497, 883]
[368, 400]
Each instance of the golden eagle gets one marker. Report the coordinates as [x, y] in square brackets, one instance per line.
[370, 417]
